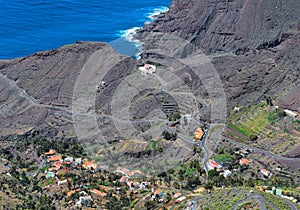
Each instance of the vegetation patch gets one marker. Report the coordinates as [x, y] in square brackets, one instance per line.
[254, 120]
[223, 157]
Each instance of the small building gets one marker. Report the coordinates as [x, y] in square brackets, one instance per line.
[148, 69]
[71, 193]
[158, 192]
[134, 173]
[51, 152]
[55, 158]
[50, 174]
[227, 173]
[199, 134]
[65, 181]
[69, 159]
[123, 179]
[244, 161]
[177, 195]
[213, 165]
[123, 171]
[99, 193]
[265, 172]
[179, 200]
[278, 191]
[84, 201]
[291, 113]
[90, 165]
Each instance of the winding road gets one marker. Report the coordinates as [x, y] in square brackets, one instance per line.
[260, 199]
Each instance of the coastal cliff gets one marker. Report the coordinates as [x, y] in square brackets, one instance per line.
[237, 26]
[254, 44]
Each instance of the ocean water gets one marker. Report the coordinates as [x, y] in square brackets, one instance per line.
[27, 27]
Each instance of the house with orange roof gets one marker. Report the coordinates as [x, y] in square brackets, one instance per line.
[99, 193]
[134, 173]
[71, 192]
[199, 134]
[123, 179]
[158, 192]
[213, 165]
[266, 172]
[51, 152]
[244, 161]
[177, 195]
[56, 168]
[55, 158]
[122, 170]
[90, 165]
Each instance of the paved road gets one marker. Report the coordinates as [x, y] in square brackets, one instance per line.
[259, 199]
[265, 152]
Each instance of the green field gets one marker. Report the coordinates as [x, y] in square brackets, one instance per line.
[253, 121]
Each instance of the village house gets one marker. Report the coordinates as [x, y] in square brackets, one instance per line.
[51, 152]
[134, 173]
[99, 193]
[227, 173]
[158, 192]
[123, 179]
[133, 185]
[291, 113]
[148, 69]
[50, 174]
[122, 170]
[55, 158]
[181, 199]
[213, 165]
[244, 161]
[177, 195]
[61, 182]
[243, 152]
[199, 134]
[265, 172]
[84, 201]
[90, 165]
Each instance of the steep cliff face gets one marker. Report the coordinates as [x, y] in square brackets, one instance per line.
[236, 26]
[253, 44]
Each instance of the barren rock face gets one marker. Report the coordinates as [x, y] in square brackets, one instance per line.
[36, 91]
[230, 26]
[254, 44]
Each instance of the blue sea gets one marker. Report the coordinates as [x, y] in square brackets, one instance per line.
[29, 26]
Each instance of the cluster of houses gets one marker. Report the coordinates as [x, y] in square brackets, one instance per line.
[87, 196]
[212, 164]
[132, 180]
[278, 192]
[57, 162]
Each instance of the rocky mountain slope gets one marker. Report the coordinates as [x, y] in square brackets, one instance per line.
[237, 26]
[254, 45]
[36, 91]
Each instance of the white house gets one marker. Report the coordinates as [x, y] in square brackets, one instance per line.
[148, 69]
[179, 200]
[291, 113]
[227, 173]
